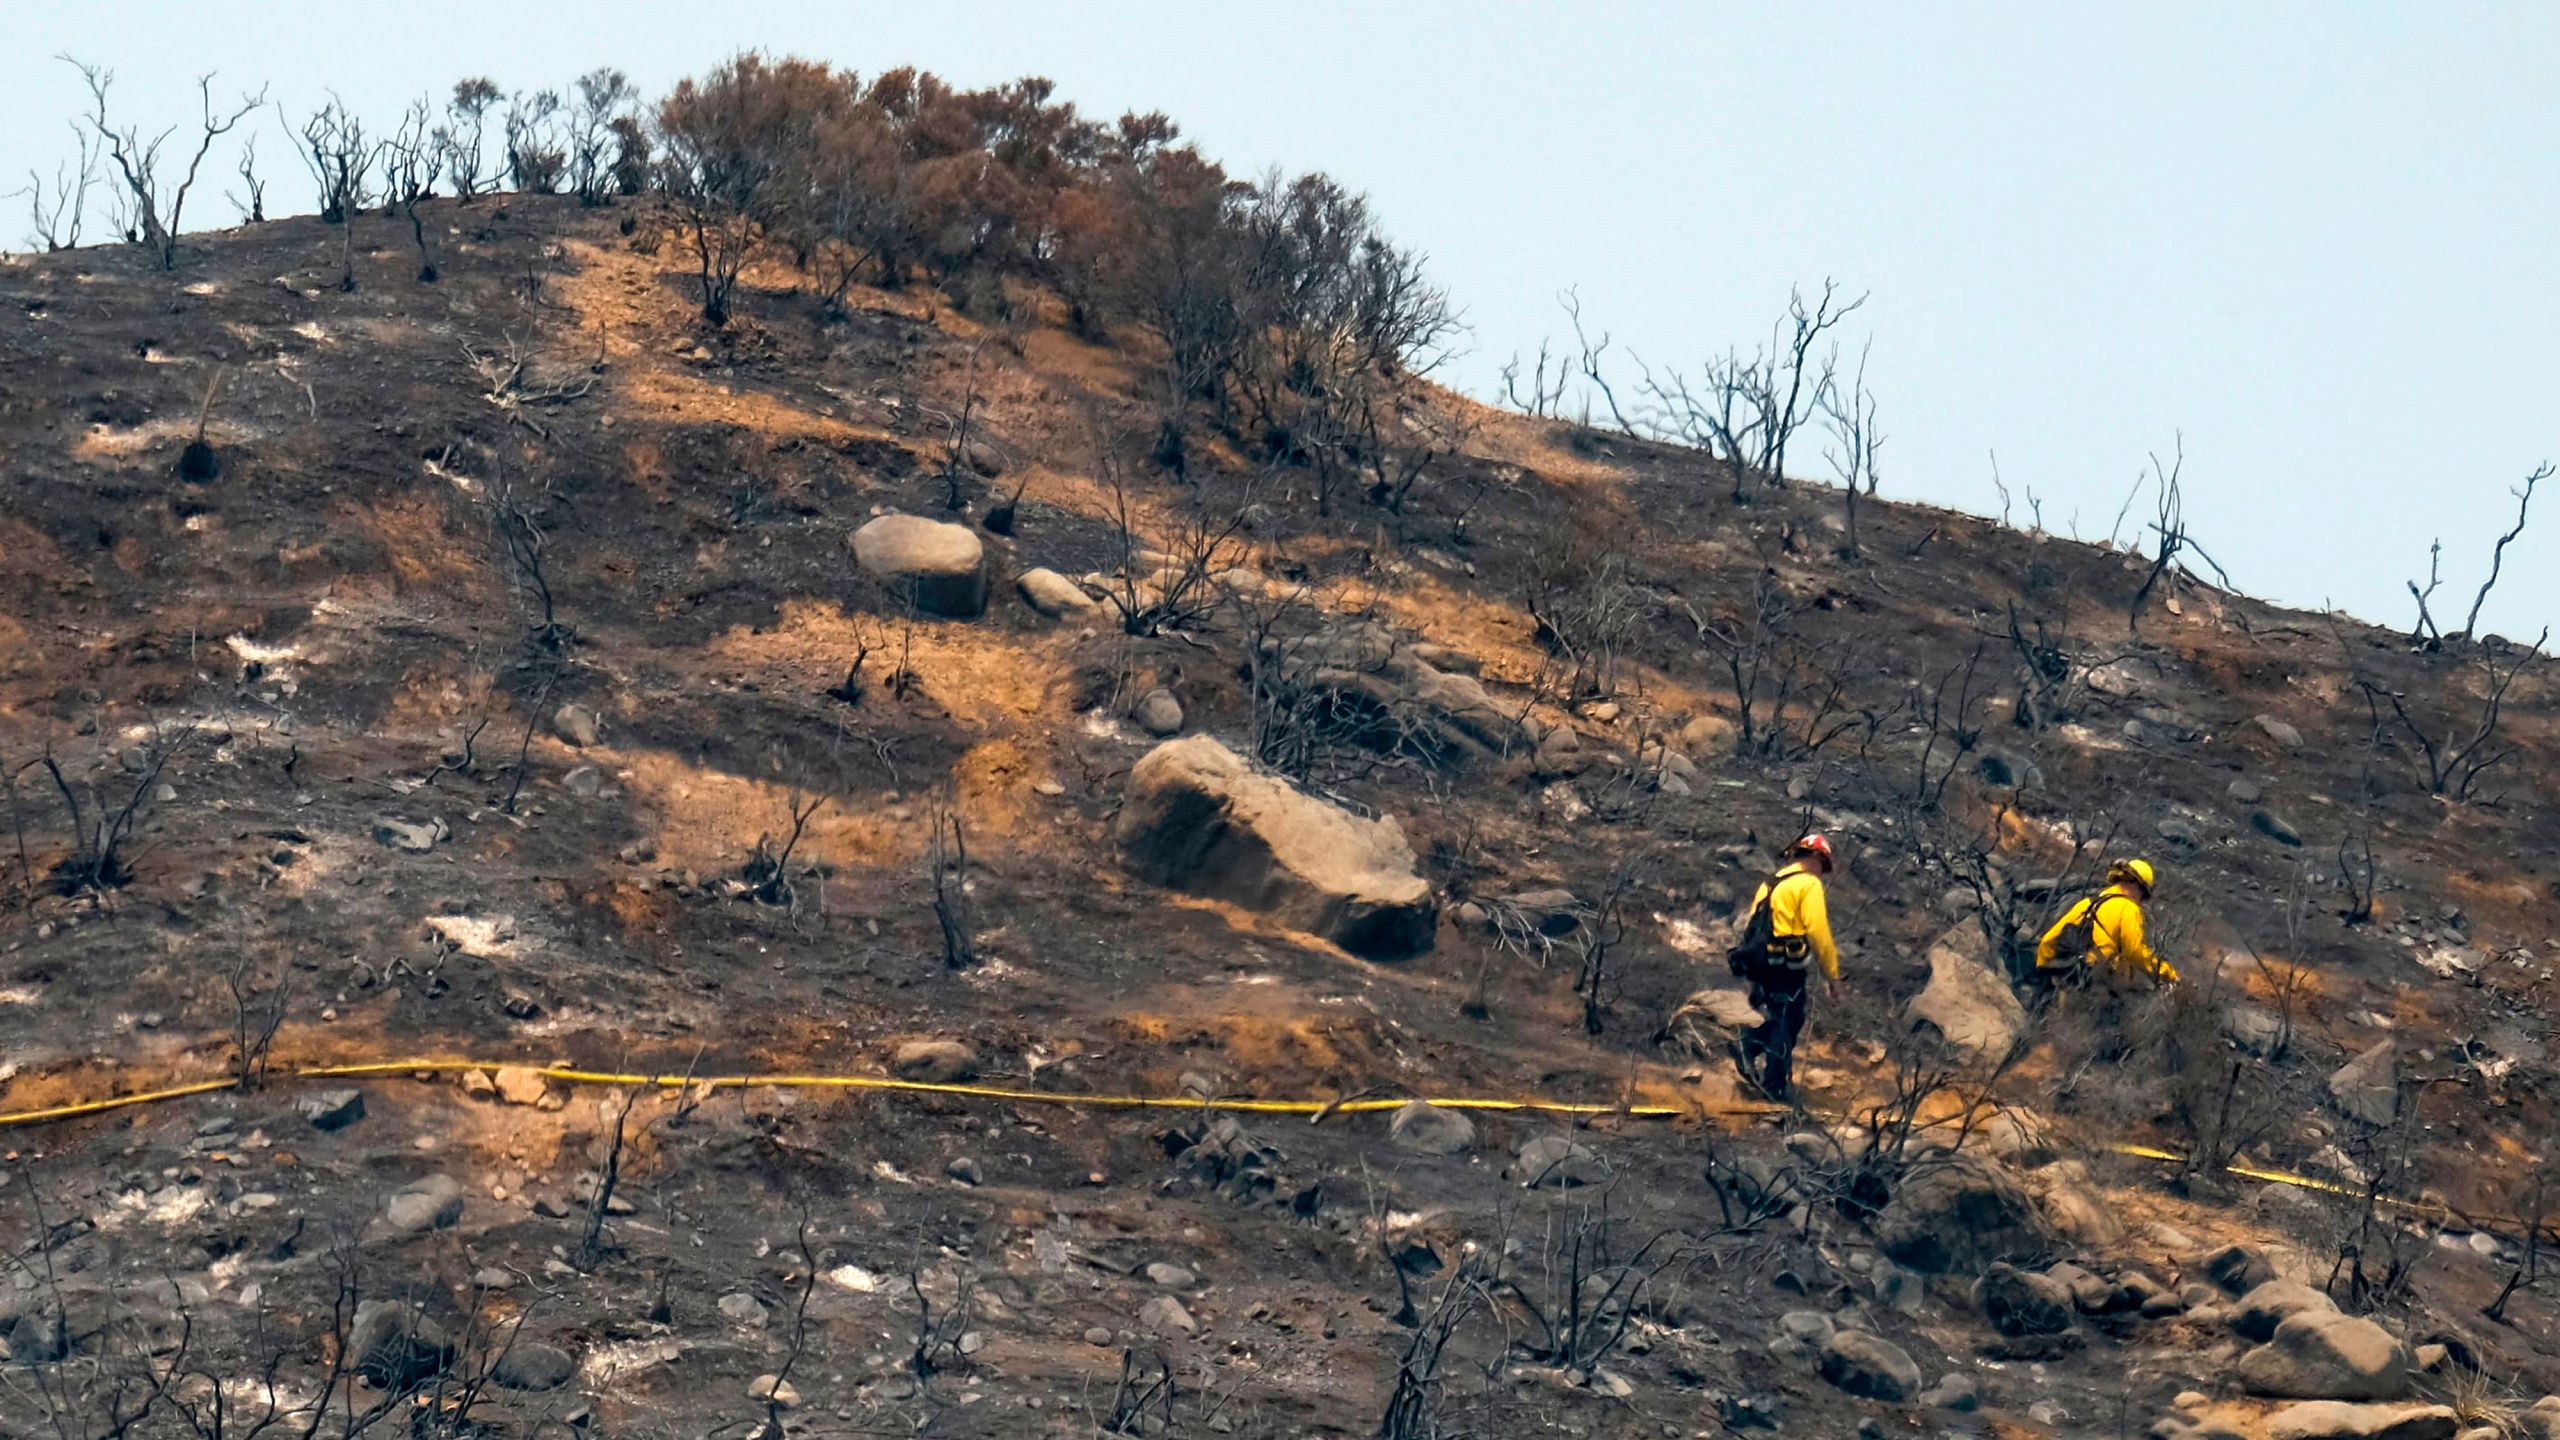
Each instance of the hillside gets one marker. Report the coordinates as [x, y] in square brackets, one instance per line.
[511, 690]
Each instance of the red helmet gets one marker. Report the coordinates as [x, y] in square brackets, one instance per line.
[1814, 845]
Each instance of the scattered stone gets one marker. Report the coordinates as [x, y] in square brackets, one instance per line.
[395, 1347]
[1870, 1366]
[2265, 823]
[1198, 818]
[934, 1062]
[2367, 1088]
[2278, 731]
[1551, 1162]
[2019, 1303]
[1965, 1000]
[1964, 1215]
[1158, 713]
[1052, 594]
[2324, 1355]
[2073, 1206]
[39, 1336]
[478, 1085]
[330, 1109]
[2331, 1420]
[2178, 832]
[577, 725]
[401, 835]
[940, 567]
[490, 1277]
[1431, 1130]
[1165, 1316]
[532, 1365]
[2246, 792]
[1709, 1021]
[423, 1205]
[586, 782]
[773, 1390]
[1167, 1276]
[521, 1085]
[964, 1170]
[1097, 1335]
[744, 1308]
[1801, 1334]
[1707, 736]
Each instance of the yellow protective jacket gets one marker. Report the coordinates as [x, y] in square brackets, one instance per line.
[2115, 938]
[1796, 907]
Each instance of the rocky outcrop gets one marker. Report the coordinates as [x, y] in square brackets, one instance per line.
[1966, 1000]
[1197, 818]
[940, 568]
[1366, 685]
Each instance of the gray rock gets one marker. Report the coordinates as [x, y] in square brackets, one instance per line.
[577, 725]
[2246, 792]
[1052, 594]
[2278, 731]
[2020, 1303]
[2256, 1030]
[1097, 1335]
[1965, 999]
[2332, 1420]
[2238, 1269]
[744, 1308]
[1801, 1334]
[1158, 713]
[1870, 1366]
[396, 1348]
[1956, 1392]
[2324, 1355]
[2178, 832]
[2274, 829]
[586, 782]
[1197, 818]
[773, 1390]
[1168, 1276]
[1165, 1316]
[39, 1335]
[964, 1170]
[432, 1203]
[1963, 1215]
[330, 1109]
[2367, 1088]
[402, 835]
[2268, 1306]
[1431, 1130]
[934, 1062]
[1551, 1162]
[940, 568]
[532, 1365]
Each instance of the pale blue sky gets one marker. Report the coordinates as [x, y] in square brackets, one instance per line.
[2323, 240]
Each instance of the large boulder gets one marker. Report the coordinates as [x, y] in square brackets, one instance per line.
[1868, 1365]
[1960, 1215]
[2020, 1302]
[2325, 1355]
[1197, 818]
[2336, 1420]
[1966, 1000]
[941, 568]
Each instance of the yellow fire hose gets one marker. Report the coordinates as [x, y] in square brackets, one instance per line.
[1245, 1105]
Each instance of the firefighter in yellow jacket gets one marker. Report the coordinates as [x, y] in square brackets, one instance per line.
[1788, 932]
[2102, 935]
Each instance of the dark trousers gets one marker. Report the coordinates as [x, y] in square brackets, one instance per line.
[1778, 992]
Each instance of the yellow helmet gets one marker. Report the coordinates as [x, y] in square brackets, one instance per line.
[2137, 871]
